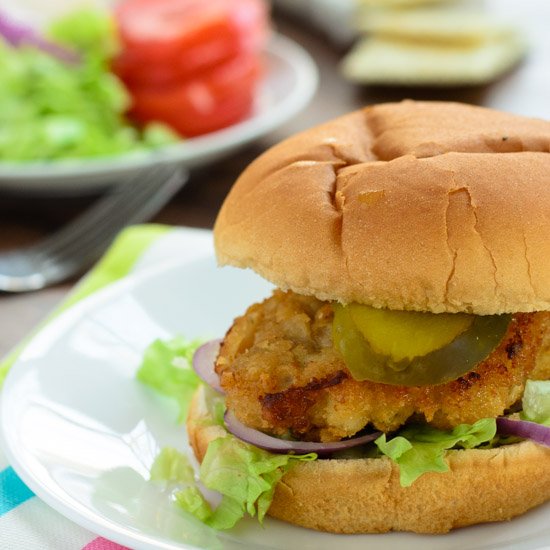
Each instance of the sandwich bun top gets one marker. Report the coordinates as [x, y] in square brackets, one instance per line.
[424, 206]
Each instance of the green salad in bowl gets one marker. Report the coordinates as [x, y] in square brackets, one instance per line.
[59, 98]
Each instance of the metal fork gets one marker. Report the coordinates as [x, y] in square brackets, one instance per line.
[78, 244]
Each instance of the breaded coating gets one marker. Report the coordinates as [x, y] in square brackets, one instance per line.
[542, 368]
[283, 376]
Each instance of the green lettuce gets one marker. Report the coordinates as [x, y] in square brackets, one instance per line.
[150, 502]
[192, 501]
[421, 449]
[536, 402]
[87, 30]
[53, 109]
[244, 475]
[171, 465]
[166, 367]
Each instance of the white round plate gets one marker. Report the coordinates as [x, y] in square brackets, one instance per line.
[82, 432]
[289, 82]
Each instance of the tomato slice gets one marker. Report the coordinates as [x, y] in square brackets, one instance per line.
[168, 40]
[217, 98]
[186, 118]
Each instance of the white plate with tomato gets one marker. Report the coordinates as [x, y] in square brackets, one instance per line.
[210, 72]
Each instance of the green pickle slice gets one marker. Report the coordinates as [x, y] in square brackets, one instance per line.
[413, 348]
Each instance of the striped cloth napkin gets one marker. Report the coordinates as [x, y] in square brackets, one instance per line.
[27, 523]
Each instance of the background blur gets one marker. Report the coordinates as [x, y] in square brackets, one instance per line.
[494, 53]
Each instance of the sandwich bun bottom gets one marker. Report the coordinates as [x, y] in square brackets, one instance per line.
[364, 495]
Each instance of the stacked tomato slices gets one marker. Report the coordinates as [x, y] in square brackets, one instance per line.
[192, 64]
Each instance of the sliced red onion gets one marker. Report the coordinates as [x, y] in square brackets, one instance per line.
[204, 361]
[523, 428]
[17, 35]
[276, 445]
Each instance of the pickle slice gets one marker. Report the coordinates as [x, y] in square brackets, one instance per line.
[407, 334]
[442, 365]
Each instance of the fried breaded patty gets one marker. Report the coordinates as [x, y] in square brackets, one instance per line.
[542, 367]
[283, 376]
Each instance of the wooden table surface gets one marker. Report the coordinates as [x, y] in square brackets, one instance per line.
[525, 90]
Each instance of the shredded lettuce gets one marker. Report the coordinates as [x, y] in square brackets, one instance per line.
[87, 30]
[150, 502]
[52, 109]
[166, 367]
[536, 402]
[171, 465]
[244, 475]
[192, 501]
[421, 449]
[215, 403]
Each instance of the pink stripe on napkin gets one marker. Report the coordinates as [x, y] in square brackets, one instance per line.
[103, 544]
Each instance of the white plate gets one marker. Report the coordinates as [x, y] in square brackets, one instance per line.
[82, 433]
[289, 82]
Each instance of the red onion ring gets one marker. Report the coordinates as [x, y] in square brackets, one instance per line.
[276, 445]
[204, 361]
[525, 429]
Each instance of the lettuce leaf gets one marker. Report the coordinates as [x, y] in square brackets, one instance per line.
[215, 403]
[171, 465]
[88, 30]
[244, 475]
[153, 501]
[192, 501]
[421, 449]
[536, 402]
[166, 367]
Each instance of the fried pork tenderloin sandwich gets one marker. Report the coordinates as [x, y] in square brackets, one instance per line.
[410, 244]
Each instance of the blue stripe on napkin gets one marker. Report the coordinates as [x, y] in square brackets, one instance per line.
[13, 491]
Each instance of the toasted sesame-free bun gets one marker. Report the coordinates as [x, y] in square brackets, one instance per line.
[364, 495]
[437, 207]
